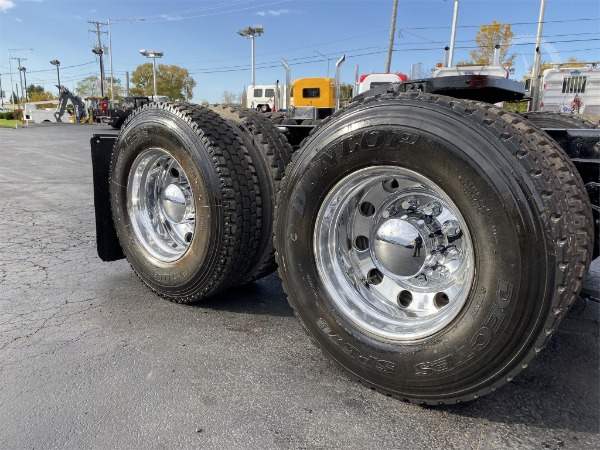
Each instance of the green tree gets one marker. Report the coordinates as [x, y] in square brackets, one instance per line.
[487, 38]
[142, 80]
[172, 81]
[33, 89]
[41, 96]
[87, 87]
[90, 87]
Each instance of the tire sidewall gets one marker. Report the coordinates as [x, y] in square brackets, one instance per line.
[498, 322]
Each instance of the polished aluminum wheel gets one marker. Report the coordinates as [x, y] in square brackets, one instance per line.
[394, 253]
[161, 205]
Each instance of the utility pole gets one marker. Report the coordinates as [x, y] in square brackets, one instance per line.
[99, 51]
[20, 76]
[24, 70]
[392, 33]
[537, 61]
[10, 65]
[1, 93]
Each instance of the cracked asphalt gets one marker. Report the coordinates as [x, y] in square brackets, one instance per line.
[90, 358]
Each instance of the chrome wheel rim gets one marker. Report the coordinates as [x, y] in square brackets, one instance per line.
[366, 248]
[160, 204]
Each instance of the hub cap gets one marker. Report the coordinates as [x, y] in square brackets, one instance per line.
[161, 205]
[394, 253]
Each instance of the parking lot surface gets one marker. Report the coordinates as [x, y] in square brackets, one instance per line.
[90, 358]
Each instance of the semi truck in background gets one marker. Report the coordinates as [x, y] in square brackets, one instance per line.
[314, 91]
[571, 89]
[263, 97]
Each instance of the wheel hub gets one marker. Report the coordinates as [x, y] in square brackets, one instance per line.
[397, 242]
[173, 203]
[394, 253]
[160, 204]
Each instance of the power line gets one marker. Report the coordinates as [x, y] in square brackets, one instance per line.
[312, 59]
[511, 24]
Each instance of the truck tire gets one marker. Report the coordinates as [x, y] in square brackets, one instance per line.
[276, 116]
[185, 200]
[431, 246]
[271, 153]
[546, 119]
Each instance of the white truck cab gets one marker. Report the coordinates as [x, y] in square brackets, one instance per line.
[262, 97]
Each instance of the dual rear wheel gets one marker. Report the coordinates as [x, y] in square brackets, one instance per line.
[430, 246]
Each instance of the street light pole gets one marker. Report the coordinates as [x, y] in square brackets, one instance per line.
[327, 57]
[153, 54]
[56, 62]
[251, 32]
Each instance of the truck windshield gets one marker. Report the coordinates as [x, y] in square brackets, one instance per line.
[311, 92]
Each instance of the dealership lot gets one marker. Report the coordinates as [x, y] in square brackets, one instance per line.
[90, 358]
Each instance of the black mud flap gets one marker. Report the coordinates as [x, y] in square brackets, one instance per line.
[107, 241]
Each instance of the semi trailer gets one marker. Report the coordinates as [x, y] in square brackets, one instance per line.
[429, 242]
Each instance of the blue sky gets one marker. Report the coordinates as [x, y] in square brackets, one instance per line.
[200, 35]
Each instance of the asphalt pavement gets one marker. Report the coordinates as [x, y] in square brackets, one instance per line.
[90, 358]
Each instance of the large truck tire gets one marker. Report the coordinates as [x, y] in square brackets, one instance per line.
[185, 200]
[546, 119]
[431, 246]
[271, 153]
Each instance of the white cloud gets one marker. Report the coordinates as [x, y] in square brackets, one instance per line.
[5, 5]
[19, 20]
[274, 13]
[170, 17]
